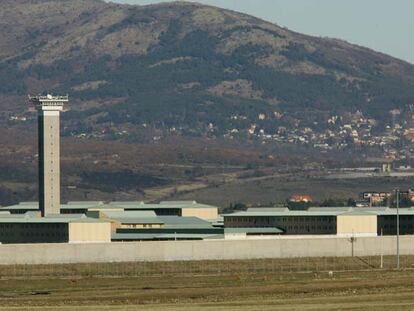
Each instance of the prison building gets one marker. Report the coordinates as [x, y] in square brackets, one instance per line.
[31, 228]
[21, 208]
[387, 221]
[314, 221]
[173, 208]
[164, 208]
[128, 219]
[146, 225]
[242, 233]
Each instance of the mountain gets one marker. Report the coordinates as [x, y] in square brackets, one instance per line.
[144, 74]
[189, 65]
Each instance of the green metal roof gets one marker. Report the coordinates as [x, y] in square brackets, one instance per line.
[20, 207]
[277, 213]
[267, 209]
[189, 236]
[393, 211]
[29, 203]
[253, 230]
[320, 212]
[134, 217]
[91, 203]
[67, 216]
[323, 209]
[178, 202]
[167, 206]
[162, 236]
[359, 213]
[112, 205]
[85, 206]
[184, 222]
[126, 203]
[50, 219]
[169, 222]
[141, 220]
[130, 214]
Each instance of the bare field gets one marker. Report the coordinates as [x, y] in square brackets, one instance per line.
[289, 291]
[233, 285]
[279, 189]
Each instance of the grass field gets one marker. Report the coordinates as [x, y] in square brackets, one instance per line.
[244, 285]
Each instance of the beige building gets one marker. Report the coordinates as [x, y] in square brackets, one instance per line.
[356, 223]
[341, 221]
[33, 229]
[89, 232]
[206, 212]
[164, 208]
[129, 219]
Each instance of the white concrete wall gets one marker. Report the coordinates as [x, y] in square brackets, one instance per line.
[201, 250]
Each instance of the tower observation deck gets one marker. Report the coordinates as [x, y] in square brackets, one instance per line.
[49, 108]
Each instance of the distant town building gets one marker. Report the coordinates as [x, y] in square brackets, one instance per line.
[301, 198]
[386, 168]
[407, 196]
[374, 198]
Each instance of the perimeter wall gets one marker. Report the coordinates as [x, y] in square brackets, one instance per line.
[285, 247]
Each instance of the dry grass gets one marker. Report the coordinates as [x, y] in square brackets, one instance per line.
[239, 286]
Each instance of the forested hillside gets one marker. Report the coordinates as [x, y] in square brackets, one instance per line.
[152, 76]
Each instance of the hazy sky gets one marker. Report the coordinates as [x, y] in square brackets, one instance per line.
[383, 25]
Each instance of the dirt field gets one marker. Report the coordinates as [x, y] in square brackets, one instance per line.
[233, 290]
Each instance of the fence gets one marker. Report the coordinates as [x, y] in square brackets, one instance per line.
[213, 267]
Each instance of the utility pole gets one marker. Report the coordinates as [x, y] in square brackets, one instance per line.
[382, 253]
[352, 240]
[398, 229]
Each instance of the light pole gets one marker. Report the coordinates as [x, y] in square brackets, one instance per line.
[398, 229]
[382, 253]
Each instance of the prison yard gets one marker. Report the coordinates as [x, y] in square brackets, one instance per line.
[348, 283]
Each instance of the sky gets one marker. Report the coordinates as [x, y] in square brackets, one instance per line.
[383, 25]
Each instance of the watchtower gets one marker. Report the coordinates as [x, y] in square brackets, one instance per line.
[49, 108]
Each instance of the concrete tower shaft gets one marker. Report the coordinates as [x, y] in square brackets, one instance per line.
[49, 108]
